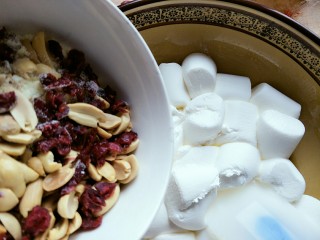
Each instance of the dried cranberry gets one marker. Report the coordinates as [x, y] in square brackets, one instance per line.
[6, 53]
[55, 137]
[43, 112]
[75, 61]
[37, 221]
[49, 82]
[120, 106]
[105, 189]
[126, 138]
[55, 49]
[91, 201]
[7, 101]
[78, 176]
[110, 94]
[89, 223]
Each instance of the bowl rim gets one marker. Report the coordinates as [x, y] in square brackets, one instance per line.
[308, 43]
[129, 5]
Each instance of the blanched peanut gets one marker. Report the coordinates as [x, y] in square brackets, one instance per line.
[71, 156]
[3, 231]
[24, 113]
[50, 202]
[133, 146]
[11, 224]
[122, 168]
[131, 159]
[111, 121]
[75, 223]
[106, 104]
[59, 230]
[12, 149]
[107, 171]
[58, 178]
[93, 172]
[8, 199]
[32, 197]
[103, 133]
[68, 205]
[110, 201]
[36, 164]
[49, 165]
[23, 138]
[125, 121]
[15, 175]
[24, 67]
[44, 69]
[32, 53]
[83, 119]
[39, 45]
[8, 125]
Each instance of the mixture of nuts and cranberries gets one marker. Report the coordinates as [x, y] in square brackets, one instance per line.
[66, 142]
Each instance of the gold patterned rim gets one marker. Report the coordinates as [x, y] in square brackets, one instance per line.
[268, 25]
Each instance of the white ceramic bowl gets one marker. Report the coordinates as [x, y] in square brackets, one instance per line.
[119, 54]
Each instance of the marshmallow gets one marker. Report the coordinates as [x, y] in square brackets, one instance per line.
[278, 134]
[173, 80]
[255, 211]
[207, 101]
[267, 97]
[204, 116]
[199, 72]
[309, 206]
[199, 163]
[192, 187]
[192, 218]
[237, 163]
[176, 236]
[161, 224]
[233, 87]
[239, 124]
[177, 118]
[284, 177]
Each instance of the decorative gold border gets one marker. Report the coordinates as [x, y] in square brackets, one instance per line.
[242, 21]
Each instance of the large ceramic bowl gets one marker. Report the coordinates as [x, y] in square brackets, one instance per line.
[243, 39]
[115, 49]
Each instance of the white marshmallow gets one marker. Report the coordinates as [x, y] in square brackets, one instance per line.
[204, 116]
[194, 175]
[201, 127]
[255, 211]
[176, 236]
[192, 218]
[309, 206]
[284, 177]
[266, 97]
[161, 224]
[239, 124]
[237, 163]
[173, 80]
[199, 72]
[278, 134]
[192, 187]
[233, 87]
[177, 118]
